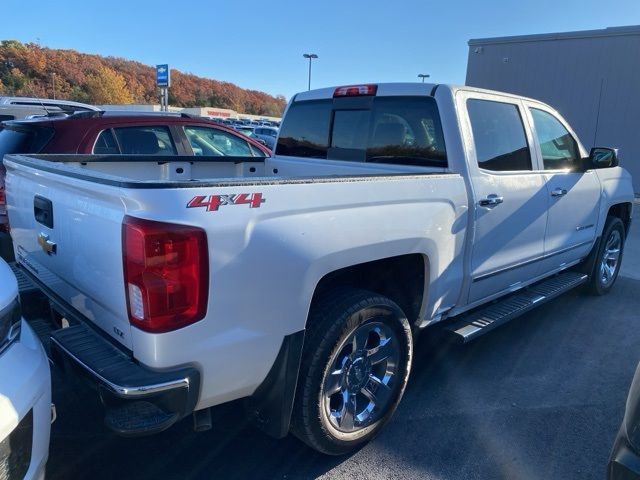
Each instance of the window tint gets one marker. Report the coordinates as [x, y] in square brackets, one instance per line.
[305, 133]
[559, 149]
[350, 129]
[23, 139]
[406, 130]
[106, 144]
[145, 141]
[211, 141]
[400, 130]
[498, 135]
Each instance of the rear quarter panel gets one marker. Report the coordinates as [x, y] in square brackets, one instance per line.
[266, 262]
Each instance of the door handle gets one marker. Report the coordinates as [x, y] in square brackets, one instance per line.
[559, 192]
[491, 200]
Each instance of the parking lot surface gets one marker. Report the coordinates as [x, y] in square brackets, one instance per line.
[540, 398]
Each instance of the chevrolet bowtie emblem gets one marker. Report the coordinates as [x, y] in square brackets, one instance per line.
[47, 245]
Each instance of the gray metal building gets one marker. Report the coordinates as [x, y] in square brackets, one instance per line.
[591, 77]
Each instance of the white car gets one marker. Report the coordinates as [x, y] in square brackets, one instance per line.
[298, 281]
[25, 390]
[17, 108]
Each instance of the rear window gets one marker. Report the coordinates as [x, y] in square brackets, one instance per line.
[401, 130]
[19, 139]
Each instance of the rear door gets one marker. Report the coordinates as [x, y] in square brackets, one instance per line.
[573, 196]
[511, 198]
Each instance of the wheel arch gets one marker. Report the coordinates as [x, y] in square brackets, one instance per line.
[623, 212]
[401, 278]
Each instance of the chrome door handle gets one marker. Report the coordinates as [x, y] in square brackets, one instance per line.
[491, 200]
[559, 192]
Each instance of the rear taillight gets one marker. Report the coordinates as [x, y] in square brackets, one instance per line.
[355, 90]
[166, 274]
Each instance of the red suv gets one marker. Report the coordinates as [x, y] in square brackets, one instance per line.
[115, 133]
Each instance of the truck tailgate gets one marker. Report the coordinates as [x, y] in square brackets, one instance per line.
[67, 233]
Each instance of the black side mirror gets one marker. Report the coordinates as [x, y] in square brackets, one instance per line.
[603, 157]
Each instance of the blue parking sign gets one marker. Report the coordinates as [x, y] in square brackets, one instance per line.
[163, 77]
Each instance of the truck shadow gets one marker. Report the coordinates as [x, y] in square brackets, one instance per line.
[541, 397]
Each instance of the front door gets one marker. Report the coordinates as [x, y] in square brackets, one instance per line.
[510, 197]
[573, 196]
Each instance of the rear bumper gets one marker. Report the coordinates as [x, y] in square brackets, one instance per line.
[140, 395]
[121, 382]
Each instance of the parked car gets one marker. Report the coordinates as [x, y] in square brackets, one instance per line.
[25, 390]
[267, 131]
[17, 108]
[113, 132]
[250, 132]
[267, 138]
[297, 282]
[266, 134]
[624, 462]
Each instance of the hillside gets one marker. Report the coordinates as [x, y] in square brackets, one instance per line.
[29, 70]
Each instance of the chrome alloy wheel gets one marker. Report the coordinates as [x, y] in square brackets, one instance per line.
[361, 378]
[610, 258]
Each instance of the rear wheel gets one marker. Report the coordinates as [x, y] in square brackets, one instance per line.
[608, 258]
[355, 367]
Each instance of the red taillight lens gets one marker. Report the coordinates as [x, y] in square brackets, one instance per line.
[166, 274]
[355, 90]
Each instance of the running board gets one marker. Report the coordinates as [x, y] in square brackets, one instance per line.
[472, 325]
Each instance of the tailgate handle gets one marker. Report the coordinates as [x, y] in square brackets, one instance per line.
[43, 211]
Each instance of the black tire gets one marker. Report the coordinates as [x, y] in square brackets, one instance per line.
[334, 319]
[599, 283]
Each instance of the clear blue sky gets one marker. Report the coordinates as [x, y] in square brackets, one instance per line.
[259, 44]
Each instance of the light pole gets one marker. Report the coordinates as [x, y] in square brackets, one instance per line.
[423, 76]
[310, 56]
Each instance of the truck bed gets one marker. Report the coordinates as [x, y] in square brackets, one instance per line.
[274, 228]
[131, 171]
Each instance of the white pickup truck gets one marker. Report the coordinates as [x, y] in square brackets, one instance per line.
[298, 282]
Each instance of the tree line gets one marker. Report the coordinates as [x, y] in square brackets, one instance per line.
[27, 69]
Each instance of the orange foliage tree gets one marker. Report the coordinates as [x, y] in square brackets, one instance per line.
[32, 70]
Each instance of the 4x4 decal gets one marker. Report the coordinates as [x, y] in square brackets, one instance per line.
[214, 202]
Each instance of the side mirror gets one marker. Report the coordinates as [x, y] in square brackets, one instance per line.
[603, 157]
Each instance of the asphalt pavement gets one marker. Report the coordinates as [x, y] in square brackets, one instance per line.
[539, 398]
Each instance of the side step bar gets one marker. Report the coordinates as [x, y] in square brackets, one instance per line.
[478, 322]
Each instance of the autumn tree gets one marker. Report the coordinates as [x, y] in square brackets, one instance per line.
[107, 86]
[29, 69]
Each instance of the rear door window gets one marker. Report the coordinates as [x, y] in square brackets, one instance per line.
[106, 144]
[145, 141]
[398, 130]
[498, 135]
